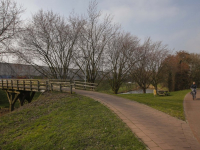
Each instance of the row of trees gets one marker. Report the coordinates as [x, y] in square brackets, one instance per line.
[180, 70]
[91, 44]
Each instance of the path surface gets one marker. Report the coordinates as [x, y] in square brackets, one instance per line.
[157, 130]
[192, 111]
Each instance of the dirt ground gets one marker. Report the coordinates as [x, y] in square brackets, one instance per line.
[4, 111]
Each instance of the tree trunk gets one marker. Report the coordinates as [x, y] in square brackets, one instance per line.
[144, 90]
[156, 87]
[170, 82]
[116, 91]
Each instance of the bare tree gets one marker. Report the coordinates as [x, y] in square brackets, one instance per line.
[50, 40]
[10, 24]
[159, 54]
[142, 70]
[121, 57]
[96, 34]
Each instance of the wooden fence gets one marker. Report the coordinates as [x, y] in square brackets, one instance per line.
[44, 85]
[84, 85]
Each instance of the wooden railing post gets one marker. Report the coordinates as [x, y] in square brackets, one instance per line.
[47, 87]
[24, 85]
[7, 83]
[11, 84]
[38, 85]
[30, 85]
[17, 85]
[70, 89]
[2, 83]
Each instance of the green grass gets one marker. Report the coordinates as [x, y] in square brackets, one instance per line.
[105, 87]
[63, 121]
[4, 100]
[172, 105]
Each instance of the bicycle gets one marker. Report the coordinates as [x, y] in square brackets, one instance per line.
[193, 92]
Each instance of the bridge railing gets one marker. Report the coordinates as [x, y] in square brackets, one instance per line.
[40, 85]
[34, 85]
[84, 85]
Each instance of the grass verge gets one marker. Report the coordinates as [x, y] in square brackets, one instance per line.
[172, 105]
[63, 121]
[104, 87]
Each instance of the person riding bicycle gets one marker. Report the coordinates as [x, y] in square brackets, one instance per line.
[194, 86]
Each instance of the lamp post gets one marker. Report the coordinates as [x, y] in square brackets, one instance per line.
[85, 68]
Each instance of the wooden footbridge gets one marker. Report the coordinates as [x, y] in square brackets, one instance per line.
[24, 89]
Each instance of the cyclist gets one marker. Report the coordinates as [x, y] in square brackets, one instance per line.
[194, 87]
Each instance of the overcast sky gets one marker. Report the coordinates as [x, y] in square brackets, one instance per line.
[175, 22]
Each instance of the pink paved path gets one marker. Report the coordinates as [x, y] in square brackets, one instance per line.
[192, 111]
[156, 129]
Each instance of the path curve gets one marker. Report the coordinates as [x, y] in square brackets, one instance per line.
[192, 112]
[156, 129]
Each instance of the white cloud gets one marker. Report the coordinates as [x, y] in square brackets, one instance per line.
[173, 22]
[193, 43]
[30, 7]
[186, 40]
[142, 10]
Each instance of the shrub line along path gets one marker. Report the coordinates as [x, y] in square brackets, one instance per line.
[156, 129]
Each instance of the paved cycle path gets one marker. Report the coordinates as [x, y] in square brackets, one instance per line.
[192, 112]
[156, 129]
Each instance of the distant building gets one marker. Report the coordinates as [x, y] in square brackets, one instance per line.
[11, 70]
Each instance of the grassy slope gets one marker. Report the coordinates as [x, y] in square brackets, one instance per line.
[60, 121]
[172, 105]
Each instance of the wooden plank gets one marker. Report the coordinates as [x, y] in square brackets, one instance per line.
[7, 83]
[63, 85]
[60, 82]
[18, 84]
[86, 83]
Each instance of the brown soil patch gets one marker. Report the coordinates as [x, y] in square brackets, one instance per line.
[4, 111]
